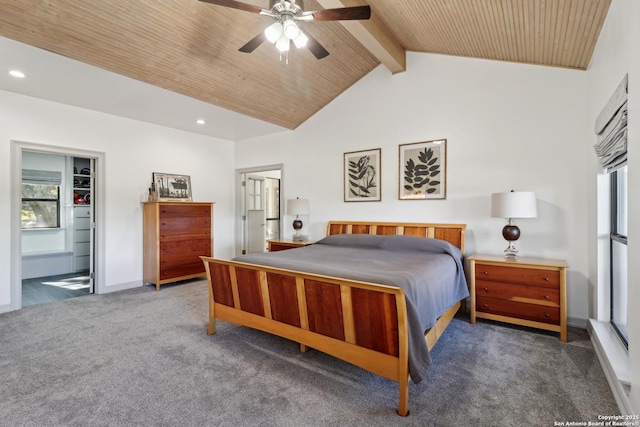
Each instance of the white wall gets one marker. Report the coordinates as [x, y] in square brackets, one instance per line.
[133, 150]
[615, 55]
[508, 126]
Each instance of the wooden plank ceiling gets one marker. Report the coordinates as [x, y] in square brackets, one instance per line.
[191, 47]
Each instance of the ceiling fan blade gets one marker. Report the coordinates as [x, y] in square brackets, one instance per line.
[342, 14]
[253, 43]
[235, 5]
[316, 48]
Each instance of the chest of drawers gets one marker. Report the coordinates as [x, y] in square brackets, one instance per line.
[528, 291]
[176, 234]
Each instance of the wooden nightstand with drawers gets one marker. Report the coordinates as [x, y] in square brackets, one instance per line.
[284, 244]
[528, 291]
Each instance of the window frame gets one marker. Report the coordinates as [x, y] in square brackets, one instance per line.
[615, 237]
[39, 199]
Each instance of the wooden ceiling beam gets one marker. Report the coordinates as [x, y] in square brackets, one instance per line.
[373, 35]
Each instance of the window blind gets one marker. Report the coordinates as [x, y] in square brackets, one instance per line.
[31, 176]
[611, 129]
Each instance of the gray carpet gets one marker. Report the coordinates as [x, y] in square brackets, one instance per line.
[141, 357]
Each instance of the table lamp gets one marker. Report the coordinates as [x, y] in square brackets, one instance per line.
[514, 204]
[297, 207]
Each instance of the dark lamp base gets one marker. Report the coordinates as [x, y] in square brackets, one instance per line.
[511, 232]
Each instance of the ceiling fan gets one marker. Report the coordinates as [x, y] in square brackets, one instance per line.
[285, 29]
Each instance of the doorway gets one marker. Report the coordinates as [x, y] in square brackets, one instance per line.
[60, 257]
[258, 208]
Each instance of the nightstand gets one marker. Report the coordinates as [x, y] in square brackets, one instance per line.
[527, 291]
[284, 244]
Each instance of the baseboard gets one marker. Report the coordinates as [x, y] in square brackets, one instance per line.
[614, 360]
[121, 287]
[577, 322]
[5, 308]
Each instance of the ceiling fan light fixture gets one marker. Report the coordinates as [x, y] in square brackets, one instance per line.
[301, 40]
[286, 14]
[290, 29]
[283, 43]
[273, 32]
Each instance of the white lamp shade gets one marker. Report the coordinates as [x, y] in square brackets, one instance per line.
[273, 32]
[290, 29]
[298, 207]
[283, 43]
[301, 40]
[514, 204]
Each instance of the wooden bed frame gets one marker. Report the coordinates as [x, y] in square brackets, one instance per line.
[362, 323]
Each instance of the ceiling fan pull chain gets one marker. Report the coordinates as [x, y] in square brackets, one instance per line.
[286, 57]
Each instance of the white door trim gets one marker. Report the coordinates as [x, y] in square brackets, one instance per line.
[239, 211]
[17, 148]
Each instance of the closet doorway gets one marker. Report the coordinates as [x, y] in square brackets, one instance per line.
[54, 239]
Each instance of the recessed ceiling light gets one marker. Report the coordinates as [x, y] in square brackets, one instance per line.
[17, 74]
[200, 121]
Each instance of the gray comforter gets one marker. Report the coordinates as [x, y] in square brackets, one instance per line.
[429, 271]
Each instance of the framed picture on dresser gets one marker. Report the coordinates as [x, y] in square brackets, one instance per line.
[171, 188]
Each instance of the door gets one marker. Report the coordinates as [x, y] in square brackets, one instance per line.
[255, 231]
[84, 217]
[92, 226]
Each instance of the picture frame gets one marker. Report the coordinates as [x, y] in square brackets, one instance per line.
[362, 176]
[423, 170]
[171, 187]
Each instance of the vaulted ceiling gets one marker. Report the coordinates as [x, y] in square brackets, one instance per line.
[191, 47]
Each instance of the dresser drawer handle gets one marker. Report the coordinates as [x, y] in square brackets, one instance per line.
[486, 305]
[486, 289]
[546, 297]
[546, 279]
[486, 273]
[547, 315]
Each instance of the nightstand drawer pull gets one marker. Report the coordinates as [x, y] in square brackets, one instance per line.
[547, 315]
[486, 273]
[546, 297]
[486, 289]
[546, 279]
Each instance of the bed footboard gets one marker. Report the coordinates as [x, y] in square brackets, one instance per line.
[362, 323]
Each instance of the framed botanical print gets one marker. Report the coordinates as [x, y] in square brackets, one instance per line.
[362, 176]
[423, 170]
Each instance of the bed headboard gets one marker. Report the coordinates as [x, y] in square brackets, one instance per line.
[452, 233]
